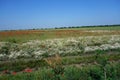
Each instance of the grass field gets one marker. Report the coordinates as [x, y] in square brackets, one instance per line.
[60, 54]
[26, 35]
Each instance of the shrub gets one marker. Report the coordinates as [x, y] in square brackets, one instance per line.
[96, 73]
[5, 49]
[56, 64]
[12, 40]
[72, 73]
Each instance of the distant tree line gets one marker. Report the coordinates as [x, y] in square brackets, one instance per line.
[69, 27]
[115, 25]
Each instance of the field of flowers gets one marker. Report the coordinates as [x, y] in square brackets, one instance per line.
[66, 46]
[58, 54]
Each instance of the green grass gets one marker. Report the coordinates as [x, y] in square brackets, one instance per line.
[26, 35]
[88, 72]
[18, 65]
[76, 66]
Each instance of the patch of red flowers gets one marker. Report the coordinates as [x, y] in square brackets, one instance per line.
[14, 73]
[28, 70]
[9, 72]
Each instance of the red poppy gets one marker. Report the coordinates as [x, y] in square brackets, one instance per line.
[14, 73]
[28, 70]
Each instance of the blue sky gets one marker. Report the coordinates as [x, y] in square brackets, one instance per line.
[26, 14]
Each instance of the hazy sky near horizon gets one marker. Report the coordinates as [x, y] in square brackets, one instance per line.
[28, 14]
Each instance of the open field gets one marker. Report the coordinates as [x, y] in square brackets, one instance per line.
[26, 35]
[60, 54]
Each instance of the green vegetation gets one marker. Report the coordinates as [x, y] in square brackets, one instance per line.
[90, 72]
[21, 64]
[19, 36]
[80, 53]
